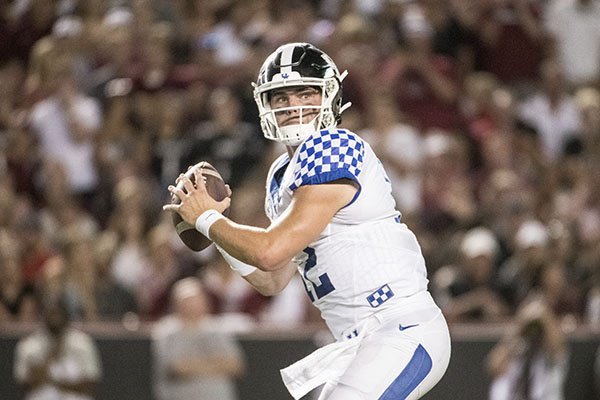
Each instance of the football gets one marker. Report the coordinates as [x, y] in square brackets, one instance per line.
[215, 186]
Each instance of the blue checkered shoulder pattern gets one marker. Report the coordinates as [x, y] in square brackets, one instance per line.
[327, 156]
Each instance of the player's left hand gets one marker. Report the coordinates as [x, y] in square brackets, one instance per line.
[195, 199]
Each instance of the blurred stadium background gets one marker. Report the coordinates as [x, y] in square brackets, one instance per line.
[485, 113]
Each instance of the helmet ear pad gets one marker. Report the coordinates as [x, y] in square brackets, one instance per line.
[334, 88]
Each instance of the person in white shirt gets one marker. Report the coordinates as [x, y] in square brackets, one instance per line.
[552, 111]
[194, 358]
[58, 362]
[66, 123]
[334, 222]
[574, 26]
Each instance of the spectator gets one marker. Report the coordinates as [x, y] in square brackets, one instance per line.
[470, 293]
[426, 83]
[505, 201]
[587, 258]
[36, 248]
[453, 36]
[23, 161]
[530, 161]
[113, 300]
[523, 271]
[17, 297]
[158, 72]
[71, 46]
[161, 270]
[228, 294]
[559, 292]
[512, 36]
[43, 60]
[118, 141]
[225, 42]
[51, 282]
[531, 361]
[8, 201]
[592, 305]
[448, 193]
[574, 29]
[66, 123]
[116, 51]
[12, 99]
[588, 102]
[193, 360]
[29, 23]
[400, 149]
[478, 105]
[231, 145]
[58, 361]
[571, 182]
[92, 14]
[355, 41]
[552, 111]
[170, 145]
[79, 279]
[61, 210]
[130, 258]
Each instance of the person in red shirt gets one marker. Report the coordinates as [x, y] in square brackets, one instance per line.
[425, 83]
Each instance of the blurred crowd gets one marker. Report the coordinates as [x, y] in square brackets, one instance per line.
[486, 115]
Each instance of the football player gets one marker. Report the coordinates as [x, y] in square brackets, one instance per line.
[333, 221]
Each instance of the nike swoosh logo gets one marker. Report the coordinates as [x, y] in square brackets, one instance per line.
[402, 328]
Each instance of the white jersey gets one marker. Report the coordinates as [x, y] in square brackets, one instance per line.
[365, 260]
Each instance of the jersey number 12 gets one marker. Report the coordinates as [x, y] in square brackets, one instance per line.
[315, 289]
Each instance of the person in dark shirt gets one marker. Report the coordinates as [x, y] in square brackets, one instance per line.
[17, 297]
[230, 144]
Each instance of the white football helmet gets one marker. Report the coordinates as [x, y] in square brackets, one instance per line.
[293, 65]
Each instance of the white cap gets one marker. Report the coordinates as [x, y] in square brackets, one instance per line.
[479, 241]
[187, 287]
[414, 22]
[436, 143]
[67, 26]
[532, 233]
[117, 16]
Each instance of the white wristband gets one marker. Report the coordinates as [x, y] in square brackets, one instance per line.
[238, 266]
[206, 219]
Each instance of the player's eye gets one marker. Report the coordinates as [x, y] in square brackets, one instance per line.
[308, 93]
[279, 99]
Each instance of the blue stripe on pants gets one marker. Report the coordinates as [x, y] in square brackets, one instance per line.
[415, 371]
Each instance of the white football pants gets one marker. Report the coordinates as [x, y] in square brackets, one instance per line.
[402, 360]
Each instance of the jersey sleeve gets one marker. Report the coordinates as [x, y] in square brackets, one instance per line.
[329, 156]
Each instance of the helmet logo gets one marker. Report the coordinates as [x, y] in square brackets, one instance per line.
[285, 75]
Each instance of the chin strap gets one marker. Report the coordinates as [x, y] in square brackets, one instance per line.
[345, 107]
[348, 104]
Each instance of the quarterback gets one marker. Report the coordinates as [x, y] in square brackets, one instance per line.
[334, 222]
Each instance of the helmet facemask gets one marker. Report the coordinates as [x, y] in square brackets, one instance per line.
[294, 134]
